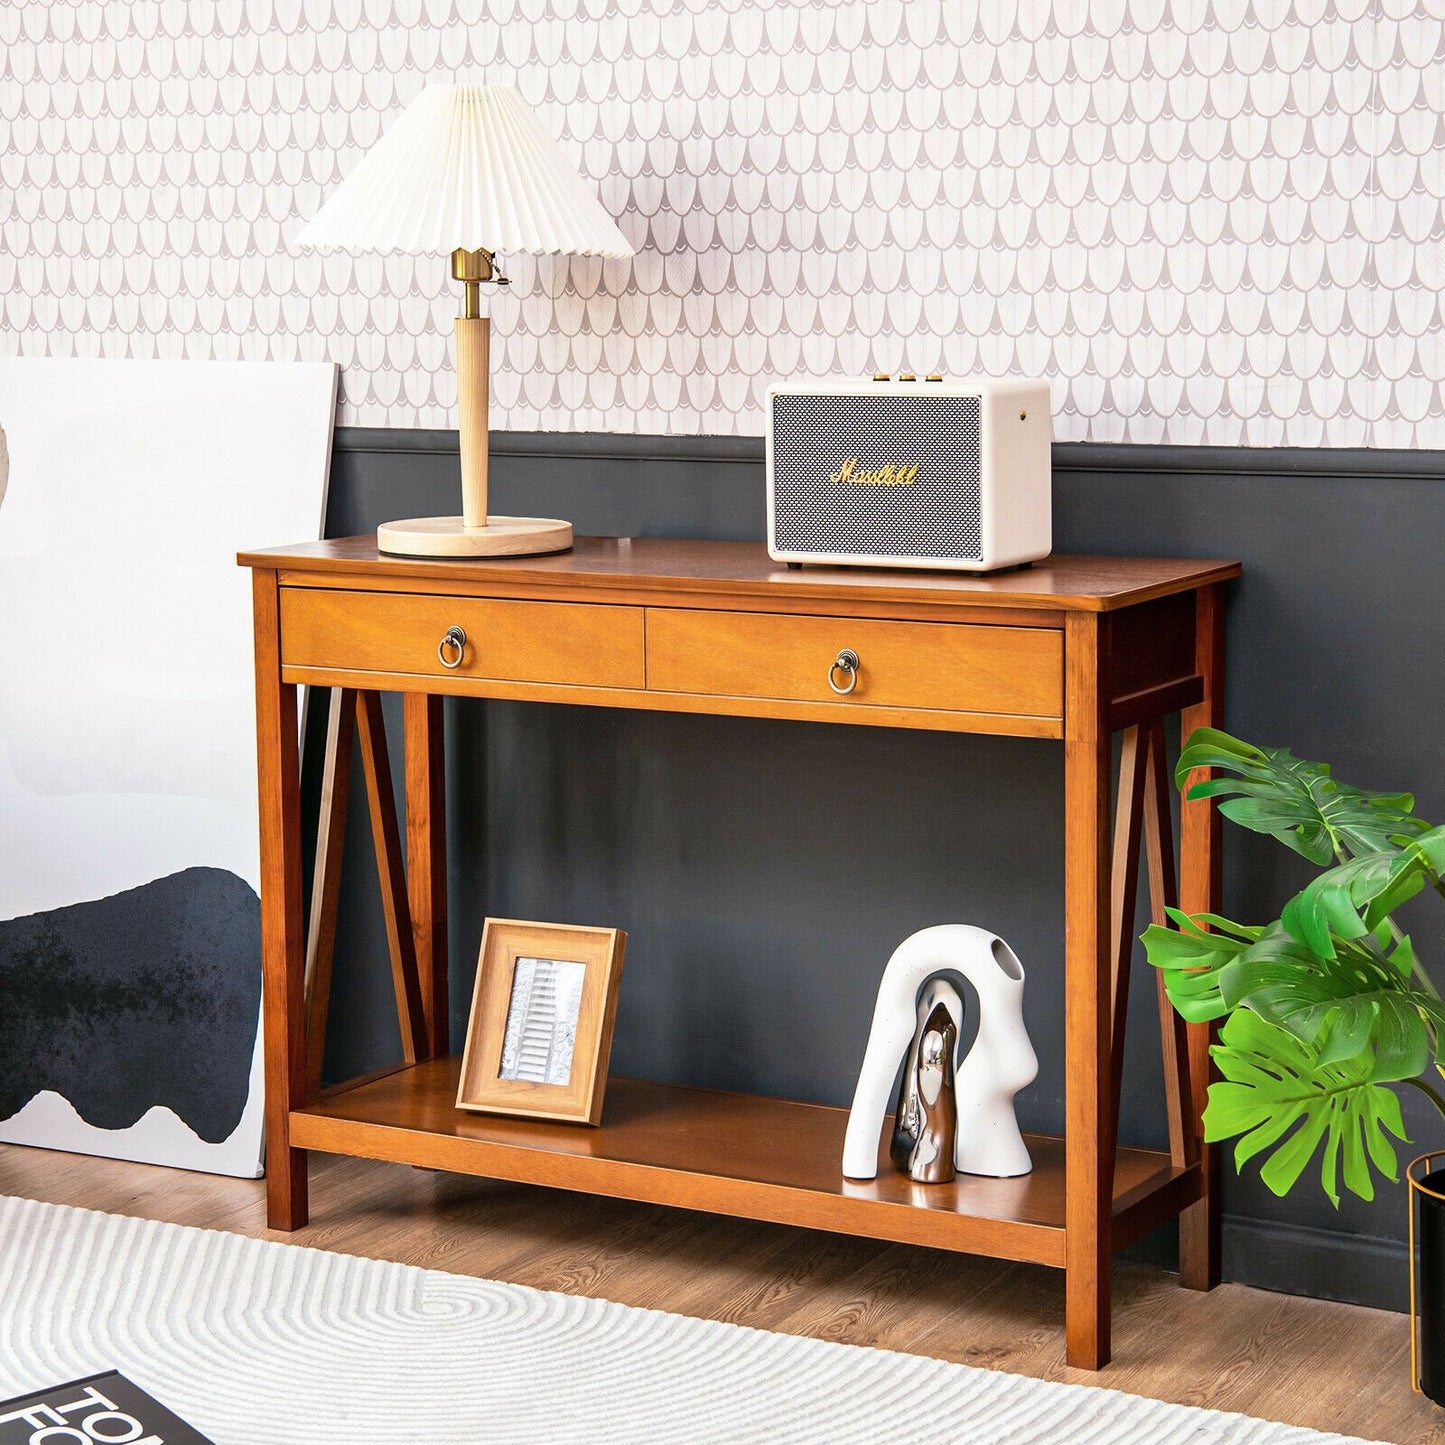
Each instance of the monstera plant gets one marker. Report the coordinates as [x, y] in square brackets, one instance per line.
[1327, 1008]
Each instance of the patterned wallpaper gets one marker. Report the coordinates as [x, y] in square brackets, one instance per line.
[1205, 220]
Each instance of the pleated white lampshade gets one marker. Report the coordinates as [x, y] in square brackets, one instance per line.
[466, 167]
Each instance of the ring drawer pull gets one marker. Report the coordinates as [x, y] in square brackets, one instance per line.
[452, 648]
[847, 663]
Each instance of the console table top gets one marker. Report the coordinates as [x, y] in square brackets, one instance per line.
[665, 564]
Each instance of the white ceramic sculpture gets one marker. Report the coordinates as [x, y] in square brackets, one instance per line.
[1000, 1063]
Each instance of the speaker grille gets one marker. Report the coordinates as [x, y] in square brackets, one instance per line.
[936, 515]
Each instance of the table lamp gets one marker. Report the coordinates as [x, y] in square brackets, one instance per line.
[468, 169]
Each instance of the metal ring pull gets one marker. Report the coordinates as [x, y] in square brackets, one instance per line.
[455, 642]
[845, 662]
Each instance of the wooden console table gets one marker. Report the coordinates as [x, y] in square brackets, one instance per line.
[1074, 648]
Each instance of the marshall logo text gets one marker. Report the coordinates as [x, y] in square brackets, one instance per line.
[883, 477]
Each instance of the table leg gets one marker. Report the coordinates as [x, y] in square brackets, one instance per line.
[278, 769]
[426, 859]
[391, 875]
[1164, 895]
[1089, 1134]
[1200, 875]
[326, 878]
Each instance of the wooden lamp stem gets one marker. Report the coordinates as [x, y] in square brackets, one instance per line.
[475, 533]
[473, 341]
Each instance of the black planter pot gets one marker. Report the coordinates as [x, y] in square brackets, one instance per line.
[1427, 1274]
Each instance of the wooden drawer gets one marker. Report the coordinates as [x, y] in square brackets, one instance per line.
[397, 632]
[938, 666]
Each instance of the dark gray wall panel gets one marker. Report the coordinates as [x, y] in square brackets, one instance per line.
[764, 870]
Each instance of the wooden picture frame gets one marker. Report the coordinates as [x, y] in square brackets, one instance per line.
[540, 1031]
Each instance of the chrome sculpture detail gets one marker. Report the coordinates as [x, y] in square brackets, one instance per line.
[925, 1119]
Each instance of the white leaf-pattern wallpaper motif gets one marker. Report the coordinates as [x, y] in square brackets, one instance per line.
[1207, 221]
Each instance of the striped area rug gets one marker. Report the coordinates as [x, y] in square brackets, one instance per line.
[271, 1344]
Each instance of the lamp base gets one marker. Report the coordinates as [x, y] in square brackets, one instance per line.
[451, 537]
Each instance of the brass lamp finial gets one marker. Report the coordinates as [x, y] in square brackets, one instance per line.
[471, 268]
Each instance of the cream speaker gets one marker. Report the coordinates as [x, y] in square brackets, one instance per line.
[906, 473]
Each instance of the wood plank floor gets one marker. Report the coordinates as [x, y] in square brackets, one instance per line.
[1305, 1362]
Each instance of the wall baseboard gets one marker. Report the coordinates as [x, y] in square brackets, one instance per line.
[1299, 1259]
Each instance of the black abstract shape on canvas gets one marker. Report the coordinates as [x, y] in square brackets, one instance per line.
[149, 997]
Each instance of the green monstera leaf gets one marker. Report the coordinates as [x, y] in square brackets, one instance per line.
[1192, 959]
[1296, 801]
[1352, 1002]
[1356, 898]
[1277, 1097]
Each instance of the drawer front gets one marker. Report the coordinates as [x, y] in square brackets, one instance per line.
[938, 666]
[397, 632]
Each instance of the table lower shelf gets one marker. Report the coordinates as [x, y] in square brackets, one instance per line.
[736, 1154]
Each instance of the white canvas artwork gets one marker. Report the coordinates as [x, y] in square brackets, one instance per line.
[129, 857]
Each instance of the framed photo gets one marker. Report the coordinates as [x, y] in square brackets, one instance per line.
[540, 1031]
